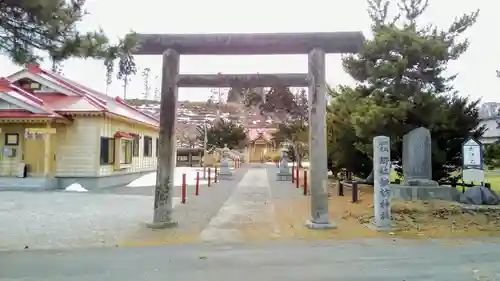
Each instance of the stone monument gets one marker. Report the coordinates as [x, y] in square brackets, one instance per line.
[284, 173]
[417, 158]
[417, 171]
[224, 170]
[382, 220]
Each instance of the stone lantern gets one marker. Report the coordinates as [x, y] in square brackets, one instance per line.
[224, 170]
[284, 171]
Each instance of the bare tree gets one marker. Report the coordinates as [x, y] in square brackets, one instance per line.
[157, 95]
[218, 94]
[146, 73]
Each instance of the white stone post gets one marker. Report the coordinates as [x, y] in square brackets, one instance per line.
[382, 190]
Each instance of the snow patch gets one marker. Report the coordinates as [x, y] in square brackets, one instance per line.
[146, 180]
[150, 179]
[76, 187]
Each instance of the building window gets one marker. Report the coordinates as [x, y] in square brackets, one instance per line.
[107, 151]
[126, 151]
[182, 158]
[148, 146]
[135, 145]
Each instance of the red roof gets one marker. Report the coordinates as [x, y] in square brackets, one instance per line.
[84, 100]
[13, 113]
[123, 135]
[38, 108]
[264, 133]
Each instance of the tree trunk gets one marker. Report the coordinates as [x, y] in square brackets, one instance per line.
[298, 157]
[125, 84]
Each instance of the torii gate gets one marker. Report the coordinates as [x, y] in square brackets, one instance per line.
[316, 45]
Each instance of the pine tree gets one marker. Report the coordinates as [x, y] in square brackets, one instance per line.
[222, 133]
[402, 84]
[33, 29]
[126, 63]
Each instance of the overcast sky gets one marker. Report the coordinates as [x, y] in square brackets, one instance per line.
[476, 68]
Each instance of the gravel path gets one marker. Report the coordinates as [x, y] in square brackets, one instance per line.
[58, 219]
[62, 219]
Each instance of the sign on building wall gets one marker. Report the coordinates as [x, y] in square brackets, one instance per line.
[40, 130]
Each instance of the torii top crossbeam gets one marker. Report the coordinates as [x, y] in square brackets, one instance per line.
[250, 43]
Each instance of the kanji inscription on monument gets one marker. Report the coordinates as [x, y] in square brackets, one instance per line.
[382, 190]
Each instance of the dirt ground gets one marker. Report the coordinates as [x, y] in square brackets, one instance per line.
[416, 219]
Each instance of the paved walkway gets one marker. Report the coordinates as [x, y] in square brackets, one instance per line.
[361, 260]
[250, 213]
[248, 207]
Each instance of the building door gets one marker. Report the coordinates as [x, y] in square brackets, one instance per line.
[33, 152]
[53, 159]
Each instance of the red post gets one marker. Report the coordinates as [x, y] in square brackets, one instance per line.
[183, 194]
[204, 172]
[297, 180]
[215, 175]
[197, 191]
[305, 182]
[209, 176]
[293, 173]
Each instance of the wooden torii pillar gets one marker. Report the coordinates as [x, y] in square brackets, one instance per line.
[316, 45]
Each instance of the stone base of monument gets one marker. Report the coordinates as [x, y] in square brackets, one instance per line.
[420, 182]
[161, 225]
[283, 176]
[426, 192]
[225, 175]
[373, 226]
[314, 225]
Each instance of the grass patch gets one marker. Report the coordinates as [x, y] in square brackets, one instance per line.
[493, 178]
